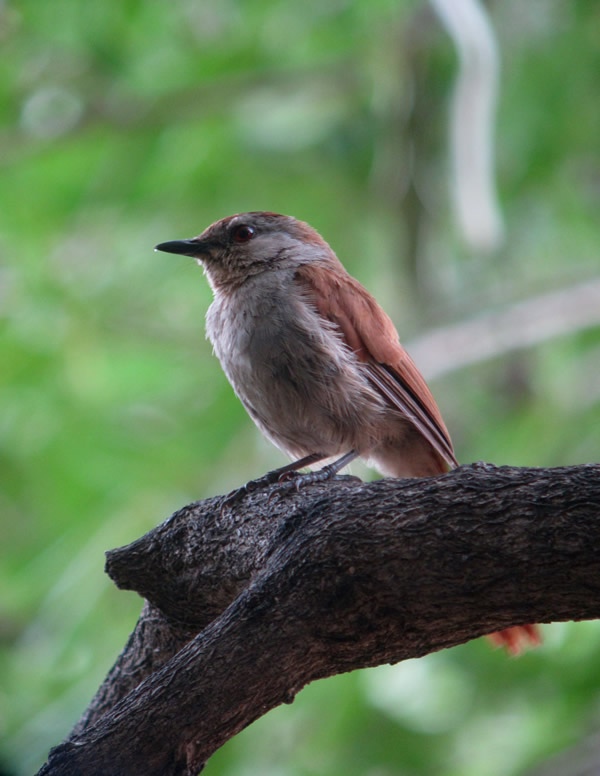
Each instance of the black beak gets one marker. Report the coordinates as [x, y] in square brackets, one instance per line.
[183, 247]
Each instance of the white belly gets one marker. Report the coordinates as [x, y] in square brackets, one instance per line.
[303, 388]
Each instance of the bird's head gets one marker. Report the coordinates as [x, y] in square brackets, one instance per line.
[237, 247]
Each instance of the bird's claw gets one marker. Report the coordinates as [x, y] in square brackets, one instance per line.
[233, 497]
[284, 481]
[252, 486]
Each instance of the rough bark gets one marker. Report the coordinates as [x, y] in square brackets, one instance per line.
[246, 607]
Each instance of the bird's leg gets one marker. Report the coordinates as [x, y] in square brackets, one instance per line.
[297, 479]
[277, 475]
[325, 473]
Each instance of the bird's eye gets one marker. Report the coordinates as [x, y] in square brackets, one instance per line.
[243, 233]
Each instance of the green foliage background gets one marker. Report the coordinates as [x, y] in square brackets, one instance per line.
[126, 123]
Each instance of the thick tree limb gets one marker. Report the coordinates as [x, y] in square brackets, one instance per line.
[247, 607]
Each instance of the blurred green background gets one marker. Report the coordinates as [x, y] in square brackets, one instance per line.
[126, 123]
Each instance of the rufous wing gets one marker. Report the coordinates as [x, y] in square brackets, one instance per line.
[369, 332]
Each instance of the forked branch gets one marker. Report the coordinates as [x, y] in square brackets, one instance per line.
[245, 608]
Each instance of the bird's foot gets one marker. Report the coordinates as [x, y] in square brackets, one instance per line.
[516, 639]
[288, 478]
[252, 486]
[295, 480]
[286, 482]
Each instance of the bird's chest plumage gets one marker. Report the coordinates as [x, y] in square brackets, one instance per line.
[251, 339]
[264, 344]
[300, 385]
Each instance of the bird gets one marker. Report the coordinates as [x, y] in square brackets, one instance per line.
[315, 360]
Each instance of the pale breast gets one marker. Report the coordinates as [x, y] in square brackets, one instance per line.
[302, 387]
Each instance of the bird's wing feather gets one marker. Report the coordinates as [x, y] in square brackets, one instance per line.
[369, 332]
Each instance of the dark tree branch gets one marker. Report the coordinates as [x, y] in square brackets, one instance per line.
[246, 608]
